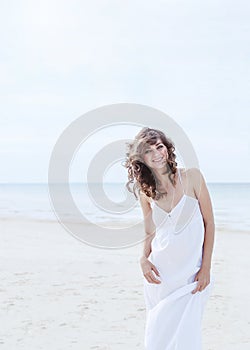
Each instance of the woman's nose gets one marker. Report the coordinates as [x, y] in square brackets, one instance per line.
[156, 152]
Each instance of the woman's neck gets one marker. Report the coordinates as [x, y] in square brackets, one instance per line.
[163, 178]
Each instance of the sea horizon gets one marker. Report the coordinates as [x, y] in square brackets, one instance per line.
[231, 202]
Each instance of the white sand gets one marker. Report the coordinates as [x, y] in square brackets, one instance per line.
[58, 293]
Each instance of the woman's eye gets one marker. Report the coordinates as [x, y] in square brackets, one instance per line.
[148, 150]
[160, 146]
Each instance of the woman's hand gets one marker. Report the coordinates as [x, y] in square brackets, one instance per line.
[203, 278]
[147, 268]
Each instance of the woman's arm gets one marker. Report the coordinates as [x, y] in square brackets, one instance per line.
[149, 227]
[205, 204]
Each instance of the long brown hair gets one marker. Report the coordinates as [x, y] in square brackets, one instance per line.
[140, 176]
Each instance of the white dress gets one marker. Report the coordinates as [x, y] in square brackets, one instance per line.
[174, 314]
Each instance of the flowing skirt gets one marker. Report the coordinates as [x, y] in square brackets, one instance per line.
[174, 322]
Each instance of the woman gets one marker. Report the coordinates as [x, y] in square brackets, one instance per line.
[177, 251]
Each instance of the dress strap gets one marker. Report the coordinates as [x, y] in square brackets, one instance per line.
[179, 172]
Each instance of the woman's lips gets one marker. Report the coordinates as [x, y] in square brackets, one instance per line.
[158, 159]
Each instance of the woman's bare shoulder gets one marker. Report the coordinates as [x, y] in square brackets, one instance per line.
[193, 177]
[145, 201]
[191, 173]
[144, 198]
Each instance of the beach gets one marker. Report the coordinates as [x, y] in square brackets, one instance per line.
[59, 293]
[80, 81]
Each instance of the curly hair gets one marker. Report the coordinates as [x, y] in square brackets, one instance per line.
[139, 174]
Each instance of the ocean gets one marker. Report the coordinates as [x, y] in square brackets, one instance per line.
[231, 203]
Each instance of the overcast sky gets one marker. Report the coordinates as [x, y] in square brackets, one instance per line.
[60, 59]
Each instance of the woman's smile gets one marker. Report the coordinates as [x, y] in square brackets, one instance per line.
[158, 159]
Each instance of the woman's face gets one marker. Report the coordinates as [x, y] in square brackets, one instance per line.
[155, 156]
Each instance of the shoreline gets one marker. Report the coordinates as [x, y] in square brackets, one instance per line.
[107, 223]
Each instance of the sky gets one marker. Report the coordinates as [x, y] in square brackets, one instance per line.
[61, 59]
